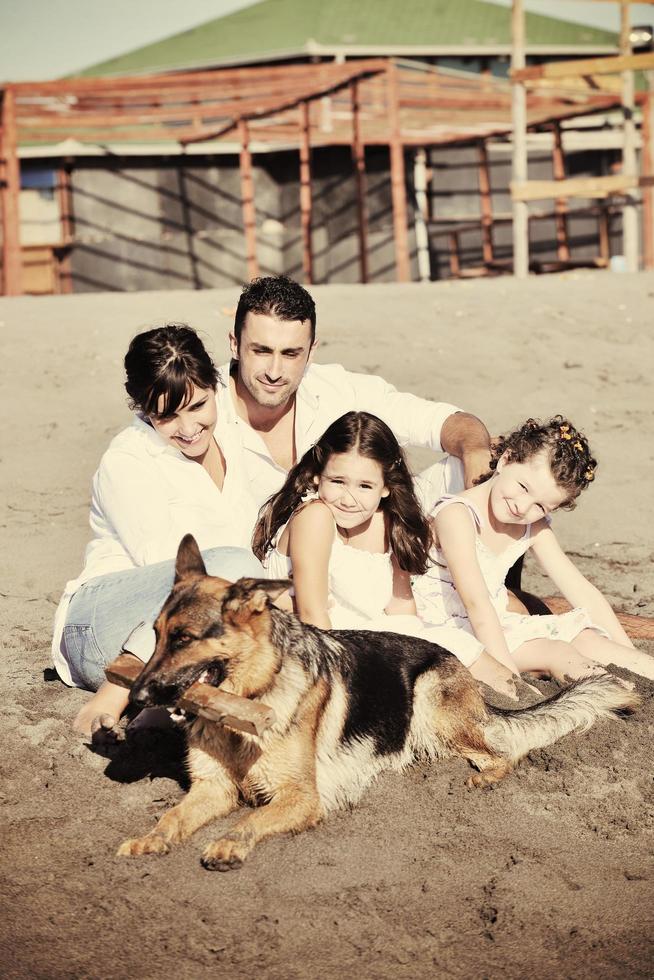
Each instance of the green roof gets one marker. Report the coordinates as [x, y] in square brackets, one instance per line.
[275, 29]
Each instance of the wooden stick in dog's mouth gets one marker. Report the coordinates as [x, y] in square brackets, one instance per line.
[201, 699]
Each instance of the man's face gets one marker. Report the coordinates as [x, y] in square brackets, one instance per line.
[272, 357]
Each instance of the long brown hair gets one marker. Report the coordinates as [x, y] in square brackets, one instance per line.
[408, 530]
[566, 448]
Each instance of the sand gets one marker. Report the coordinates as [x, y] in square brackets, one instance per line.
[551, 874]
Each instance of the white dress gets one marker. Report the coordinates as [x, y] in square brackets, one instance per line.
[439, 603]
[360, 585]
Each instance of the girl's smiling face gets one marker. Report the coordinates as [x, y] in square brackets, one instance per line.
[352, 486]
[523, 493]
[190, 428]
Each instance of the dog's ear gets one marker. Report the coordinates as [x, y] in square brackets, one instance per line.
[189, 560]
[249, 596]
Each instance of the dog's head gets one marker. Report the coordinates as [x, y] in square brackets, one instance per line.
[210, 630]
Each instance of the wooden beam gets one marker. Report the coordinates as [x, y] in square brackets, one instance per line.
[247, 198]
[585, 66]
[536, 190]
[359, 161]
[582, 85]
[398, 179]
[486, 203]
[630, 231]
[560, 206]
[305, 192]
[519, 123]
[273, 107]
[10, 197]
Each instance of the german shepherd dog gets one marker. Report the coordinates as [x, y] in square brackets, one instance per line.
[348, 704]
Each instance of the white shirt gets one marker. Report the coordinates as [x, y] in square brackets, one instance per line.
[326, 392]
[146, 496]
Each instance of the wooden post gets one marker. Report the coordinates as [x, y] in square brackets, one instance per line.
[647, 165]
[247, 198]
[560, 204]
[359, 160]
[398, 182]
[421, 214]
[519, 123]
[305, 192]
[10, 197]
[486, 203]
[65, 199]
[604, 236]
[455, 257]
[629, 211]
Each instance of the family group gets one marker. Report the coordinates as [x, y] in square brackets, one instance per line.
[284, 468]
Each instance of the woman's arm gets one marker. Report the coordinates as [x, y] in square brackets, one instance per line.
[310, 542]
[402, 602]
[129, 496]
[574, 586]
[456, 538]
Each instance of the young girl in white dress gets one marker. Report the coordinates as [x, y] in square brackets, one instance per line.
[348, 528]
[478, 536]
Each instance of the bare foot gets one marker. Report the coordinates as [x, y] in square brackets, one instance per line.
[101, 713]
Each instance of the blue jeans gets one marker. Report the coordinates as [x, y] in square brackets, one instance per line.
[105, 610]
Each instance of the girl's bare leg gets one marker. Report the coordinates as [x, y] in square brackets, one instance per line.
[496, 675]
[561, 660]
[103, 710]
[591, 645]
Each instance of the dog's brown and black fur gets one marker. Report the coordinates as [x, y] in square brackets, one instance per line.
[349, 704]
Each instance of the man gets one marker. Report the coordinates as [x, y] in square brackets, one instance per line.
[280, 402]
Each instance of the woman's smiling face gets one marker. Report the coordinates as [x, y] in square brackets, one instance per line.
[190, 428]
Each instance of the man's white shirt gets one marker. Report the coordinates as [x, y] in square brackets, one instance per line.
[328, 391]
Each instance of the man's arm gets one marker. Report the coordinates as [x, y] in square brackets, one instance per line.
[467, 438]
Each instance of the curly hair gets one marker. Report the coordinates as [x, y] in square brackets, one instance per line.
[568, 453]
[408, 530]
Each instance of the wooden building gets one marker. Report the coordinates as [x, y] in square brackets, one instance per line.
[324, 164]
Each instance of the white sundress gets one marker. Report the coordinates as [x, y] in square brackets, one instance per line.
[439, 603]
[360, 587]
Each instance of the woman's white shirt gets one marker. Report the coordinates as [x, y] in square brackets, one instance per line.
[146, 496]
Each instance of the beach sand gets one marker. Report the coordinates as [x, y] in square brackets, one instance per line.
[550, 874]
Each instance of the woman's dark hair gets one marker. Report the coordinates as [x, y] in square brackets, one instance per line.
[567, 451]
[162, 365]
[408, 530]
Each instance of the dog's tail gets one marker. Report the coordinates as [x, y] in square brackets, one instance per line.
[515, 733]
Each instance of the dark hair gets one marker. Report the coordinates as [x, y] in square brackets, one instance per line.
[408, 530]
[276, 296]
[567, 451]
[164, 363]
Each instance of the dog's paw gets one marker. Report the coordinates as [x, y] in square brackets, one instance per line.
[226, 854]
[136, 846]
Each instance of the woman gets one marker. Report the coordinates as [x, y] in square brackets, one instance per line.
[174, 470]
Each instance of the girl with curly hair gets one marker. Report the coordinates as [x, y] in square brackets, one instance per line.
[539, 468]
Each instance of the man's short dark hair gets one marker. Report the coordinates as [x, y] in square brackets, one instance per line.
[276, 296]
